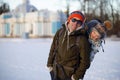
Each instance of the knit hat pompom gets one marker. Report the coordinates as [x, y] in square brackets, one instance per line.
[108, 25]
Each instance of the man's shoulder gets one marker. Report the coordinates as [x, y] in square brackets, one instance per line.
[83, 33]
[61, 29]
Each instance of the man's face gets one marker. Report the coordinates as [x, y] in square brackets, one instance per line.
[74, 24]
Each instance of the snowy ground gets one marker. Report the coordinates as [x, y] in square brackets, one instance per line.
[25, 59]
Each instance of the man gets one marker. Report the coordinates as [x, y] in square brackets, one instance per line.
[70, 51]
[97, 33]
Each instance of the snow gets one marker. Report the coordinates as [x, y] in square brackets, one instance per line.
[26, 59]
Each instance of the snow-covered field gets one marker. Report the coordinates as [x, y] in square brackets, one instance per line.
[25, 59]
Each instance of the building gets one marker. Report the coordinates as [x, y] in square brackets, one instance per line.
[26, 19]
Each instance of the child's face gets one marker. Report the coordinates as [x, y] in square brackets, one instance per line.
[94, 35]
[97, 32]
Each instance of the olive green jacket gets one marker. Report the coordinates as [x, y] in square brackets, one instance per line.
[64, 51]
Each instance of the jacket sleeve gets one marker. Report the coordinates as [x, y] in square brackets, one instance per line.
[52, 50]
[84, 58]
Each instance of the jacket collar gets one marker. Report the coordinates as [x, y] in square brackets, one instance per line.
[78, 31]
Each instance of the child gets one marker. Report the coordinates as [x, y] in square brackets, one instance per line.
[97, 33]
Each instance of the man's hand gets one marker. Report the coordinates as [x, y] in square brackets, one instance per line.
[72, 78]
[50, 68]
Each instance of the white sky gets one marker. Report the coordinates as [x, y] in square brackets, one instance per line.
[45, 4]
[50, 4]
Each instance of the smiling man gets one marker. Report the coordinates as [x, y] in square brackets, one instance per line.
[69, 54]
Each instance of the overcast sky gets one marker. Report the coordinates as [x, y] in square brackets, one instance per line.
[45, 4]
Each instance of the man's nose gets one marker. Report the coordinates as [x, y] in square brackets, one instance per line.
[75, 22]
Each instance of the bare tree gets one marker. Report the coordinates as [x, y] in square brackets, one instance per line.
[4, 7]
[68, 7]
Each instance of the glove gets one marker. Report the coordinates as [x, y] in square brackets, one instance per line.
[72, 78]
[50, 68]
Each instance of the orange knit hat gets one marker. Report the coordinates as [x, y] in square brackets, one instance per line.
[76, 14]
